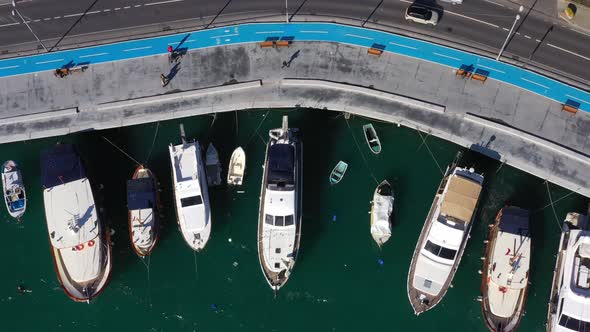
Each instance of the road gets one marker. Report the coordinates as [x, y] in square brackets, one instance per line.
[482, 24]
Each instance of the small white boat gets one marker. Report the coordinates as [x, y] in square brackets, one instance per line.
[14, 190]
[443, 238]
[569, 302]
[505, 276]
[213, 166]
[142, 206]
[381, 208]
[191, 194]
[371, 138]
[338, 172]
[237, 167]
[279, 220]
[79, 239]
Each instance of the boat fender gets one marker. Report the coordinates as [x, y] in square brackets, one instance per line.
[79, 247]
[489, 279]
[503, 289]
[380, 261]
[91, 243]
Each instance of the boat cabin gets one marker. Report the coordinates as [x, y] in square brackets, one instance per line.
[281, 164]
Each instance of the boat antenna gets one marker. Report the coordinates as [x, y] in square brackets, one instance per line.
[123, 152]
[182, 134]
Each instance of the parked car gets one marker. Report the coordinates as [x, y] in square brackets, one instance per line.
[421, 14]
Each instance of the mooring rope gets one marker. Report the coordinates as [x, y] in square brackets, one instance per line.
[430, 152]
[256, 131]
[153, 142]
[123, 152]
[551, 203]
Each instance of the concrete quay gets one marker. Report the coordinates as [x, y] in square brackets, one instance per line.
[507, 123]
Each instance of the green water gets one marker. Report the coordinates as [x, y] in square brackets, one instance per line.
[337, 285]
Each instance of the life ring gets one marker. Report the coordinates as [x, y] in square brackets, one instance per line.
[91, 243]
[80, 246]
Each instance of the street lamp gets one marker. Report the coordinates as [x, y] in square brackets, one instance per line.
[14, 10]
[510, 32]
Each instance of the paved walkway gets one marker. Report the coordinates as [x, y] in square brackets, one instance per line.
[393, 87]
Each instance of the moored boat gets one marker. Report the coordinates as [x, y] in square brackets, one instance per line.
[381, 208]
[142, 207]
[191, 196]
[15, 196]
[443, 237]
[338, 172]
[372, 138]
[279, 220]
[505, 274]
[569, 302]
[79, 239]
[237, 167]
[213, 166]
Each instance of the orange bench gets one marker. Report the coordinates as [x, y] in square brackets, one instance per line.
[375, 51]
[569, 108]
[283, 43]
[269, 43]
[479, 77]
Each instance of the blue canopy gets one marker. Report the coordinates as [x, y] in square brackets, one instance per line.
[60, 164]
[141, 194]
[281, 164]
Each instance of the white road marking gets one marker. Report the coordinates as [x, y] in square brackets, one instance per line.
[495, 3]
[265, 32]
[137, 6]
[227, 39]
[9, 24]
[576, 98]
[538, 40]
[91, 55]
[527, 37]
[118, 8]
[48, 61]
[568, 51]
[493, 69]
[312, 31]
[106, 10]
[72, 15]
[446, 56]
[162, 2]
[357, 36]
[505, 29]
[137, 49]
[37, 21]
[93, 12]
[402, 45]
[541, 85]
[9, 67]
[223, 36]
[471, 18]
[47, 19]
[57, 17]
[126, 7]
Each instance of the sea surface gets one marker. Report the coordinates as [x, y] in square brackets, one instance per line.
[341, 282]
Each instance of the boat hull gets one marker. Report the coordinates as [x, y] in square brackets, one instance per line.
[379, 237]
[142, 251]
[236, 176]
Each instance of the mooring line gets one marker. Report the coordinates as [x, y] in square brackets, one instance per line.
[196, 271]
[430, 152]
[259, 125]
[123, 152]
[552, 207]
[153, 142]
[559, 199]
[361, 152]
[147, 266]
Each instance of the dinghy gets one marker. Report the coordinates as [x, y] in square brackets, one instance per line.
[372, 138]
[191, 194]
[279, 220]
[14, 190]
[142, 205]
[338, 172]
[381, 209]
[212, 166]
[237, 167]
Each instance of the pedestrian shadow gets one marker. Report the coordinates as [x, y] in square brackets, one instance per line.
[173, 71]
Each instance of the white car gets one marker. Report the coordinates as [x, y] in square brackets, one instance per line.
[421, 14]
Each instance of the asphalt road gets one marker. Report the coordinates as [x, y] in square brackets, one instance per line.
[483, 24]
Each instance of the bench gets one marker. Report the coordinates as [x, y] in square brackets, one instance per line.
[571, 106]
[283, 43]
[375, 51]
[480, 75]
[464, 71]
[268, 43]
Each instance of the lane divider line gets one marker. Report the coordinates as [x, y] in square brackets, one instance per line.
[446, 56]
[312, 31]
[91, 55]
[161, 2]
[73, 15]
[357, 36]
[402, 45]
[490, 68]
[9, 67]
[580, 99]
[48, 61]
[533, 82]
[137, 49]
[223, 36]
[471, 18]
[267, 32]
[9, 24]
[568, 51]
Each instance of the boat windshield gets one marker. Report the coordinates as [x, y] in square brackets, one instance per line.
[278, 220]
[440, 251]
[573, 323]
[190, 201]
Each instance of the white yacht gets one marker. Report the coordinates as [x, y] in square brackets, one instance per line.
[142, 211]
[505, 276]
[569, 303]
[14, 189]
[191, 193]
[80, 241]
[443, 238]
[279, 220]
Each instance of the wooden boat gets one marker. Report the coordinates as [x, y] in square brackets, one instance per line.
[212, 166]
[14, 190]
[279, 220]
[237, 167]
[338, 172]
[142, 207]
[372, 138]
[381, 208]
[443, 238]
[505, 274]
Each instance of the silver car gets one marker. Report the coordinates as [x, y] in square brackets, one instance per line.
[421, 14]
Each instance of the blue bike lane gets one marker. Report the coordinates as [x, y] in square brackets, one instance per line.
[323, 32]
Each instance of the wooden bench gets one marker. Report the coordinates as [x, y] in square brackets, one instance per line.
[570, 109]
[374, 51]
[464, 71]
[268, 43]
[283, 43]
[479, 77]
